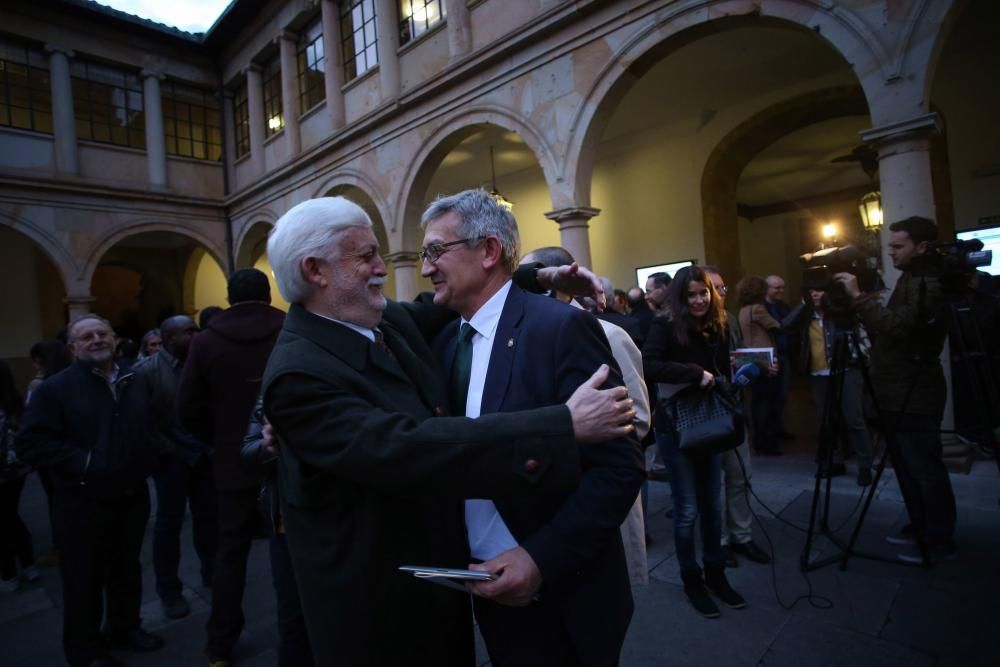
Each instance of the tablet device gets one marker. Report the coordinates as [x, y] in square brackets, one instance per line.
[423, 572]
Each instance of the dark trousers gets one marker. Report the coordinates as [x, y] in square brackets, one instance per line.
[237, 525]
[765, 413]
[923, 477]
[532, 636]
[15, 540]
[178, 484]
[293, 641]
[99, 542]
[695, 485]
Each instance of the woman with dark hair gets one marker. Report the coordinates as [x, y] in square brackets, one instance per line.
[691, 347]
[15, 540]
[758, 328]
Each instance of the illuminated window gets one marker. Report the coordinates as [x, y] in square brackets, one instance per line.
[417, 16]
[241, 120]
[312, 66]
[191, 122]
[274, 118]
[107, 103]
[358, 36]
[25, 92]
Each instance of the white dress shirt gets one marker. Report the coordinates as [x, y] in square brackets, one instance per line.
[488, 534]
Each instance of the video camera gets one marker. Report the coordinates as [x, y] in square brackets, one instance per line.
[954, 258]
[820, 267]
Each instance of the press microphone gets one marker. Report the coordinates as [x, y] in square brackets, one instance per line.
[746, 374]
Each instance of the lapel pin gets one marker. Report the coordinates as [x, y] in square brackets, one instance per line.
[510, 342]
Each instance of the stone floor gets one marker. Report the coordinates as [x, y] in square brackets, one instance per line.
[871, 613]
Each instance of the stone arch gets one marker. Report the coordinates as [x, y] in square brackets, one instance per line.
[732, 154]
[57, 253]
[357, 179]
[683, 23]
[252, 237]
[449, 133]
[126, 230]
[938, 19]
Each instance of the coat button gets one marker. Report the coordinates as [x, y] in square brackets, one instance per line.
[531, 465]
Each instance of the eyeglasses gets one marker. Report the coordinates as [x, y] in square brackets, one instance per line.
[433, 252]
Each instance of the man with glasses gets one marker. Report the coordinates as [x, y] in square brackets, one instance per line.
[561, 593]
[371, 469]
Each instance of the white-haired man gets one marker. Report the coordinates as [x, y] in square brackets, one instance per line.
[371, 478]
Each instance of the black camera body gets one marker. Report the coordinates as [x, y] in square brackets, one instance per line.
[820, 267]
[952, 261]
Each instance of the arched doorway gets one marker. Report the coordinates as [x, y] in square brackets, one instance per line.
[253, 253]
[144, 278]
[34, 309]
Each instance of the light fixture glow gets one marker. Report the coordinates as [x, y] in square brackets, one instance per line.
[274, 122]
[870, 208]
[497, 197]
[829, 231]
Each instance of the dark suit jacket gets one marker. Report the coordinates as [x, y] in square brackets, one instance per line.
[631, 325]
[543, 350]
[371, 483]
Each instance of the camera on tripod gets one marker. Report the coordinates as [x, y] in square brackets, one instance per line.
[953, 263]
[822, 265]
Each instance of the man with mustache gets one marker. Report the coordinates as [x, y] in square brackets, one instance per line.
[88, 425]
[371, 470]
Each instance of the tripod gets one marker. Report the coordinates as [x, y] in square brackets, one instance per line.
[845, 341]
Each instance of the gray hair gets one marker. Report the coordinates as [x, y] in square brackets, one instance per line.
[609, 288]
[480, 216]
[309, 229]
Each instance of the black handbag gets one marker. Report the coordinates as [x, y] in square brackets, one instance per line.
[706, 421]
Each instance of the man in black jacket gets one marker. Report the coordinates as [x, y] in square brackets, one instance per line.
[88, 426]
[183, 472]
[219, 386]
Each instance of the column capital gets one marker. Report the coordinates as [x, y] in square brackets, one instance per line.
[252, 67]
[79, 300]
[583, 213]
[146, 73]
[51, 48]
[402, 258]
[911, 128]
[286, 35]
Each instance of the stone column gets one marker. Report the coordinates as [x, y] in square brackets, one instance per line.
[573, 233]
[459, 29]
[255, 111]
[904, 167]
[156, 149]
[290, 92]
[334, 60]
[405, 265]
[78, 305]
[63, 118]
[387, 25]
[904, 174]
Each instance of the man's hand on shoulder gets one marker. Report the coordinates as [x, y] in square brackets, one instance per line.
[600, 414]
[573, 279]
[517, 578]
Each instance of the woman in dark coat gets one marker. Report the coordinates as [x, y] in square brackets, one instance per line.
[692, 348]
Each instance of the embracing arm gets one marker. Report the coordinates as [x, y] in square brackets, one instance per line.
[332, 428]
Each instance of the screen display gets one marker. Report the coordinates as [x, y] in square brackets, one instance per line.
[990, 236]
[670, 268]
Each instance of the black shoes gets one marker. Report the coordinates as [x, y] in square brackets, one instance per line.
[137, 640]
[784, 435]
[716, 582]
[864, 476]
[751, 551]
[175, 606]
[836, 470]
[698, 595]
[728, 557]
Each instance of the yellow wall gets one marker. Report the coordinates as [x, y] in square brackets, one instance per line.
[208, 282]
[276, 299]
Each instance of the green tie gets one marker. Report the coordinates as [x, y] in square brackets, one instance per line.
[461, 369]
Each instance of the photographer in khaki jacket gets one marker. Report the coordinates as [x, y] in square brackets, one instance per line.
[908, 336]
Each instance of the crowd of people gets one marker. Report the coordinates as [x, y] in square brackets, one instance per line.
[494, 426]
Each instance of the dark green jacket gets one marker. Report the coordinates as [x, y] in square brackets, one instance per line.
[908, 335]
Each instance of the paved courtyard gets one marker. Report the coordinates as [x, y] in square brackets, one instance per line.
[872, 613]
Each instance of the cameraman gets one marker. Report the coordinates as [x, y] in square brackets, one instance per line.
[908, 336]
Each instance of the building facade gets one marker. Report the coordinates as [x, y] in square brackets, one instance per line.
[139, 164]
